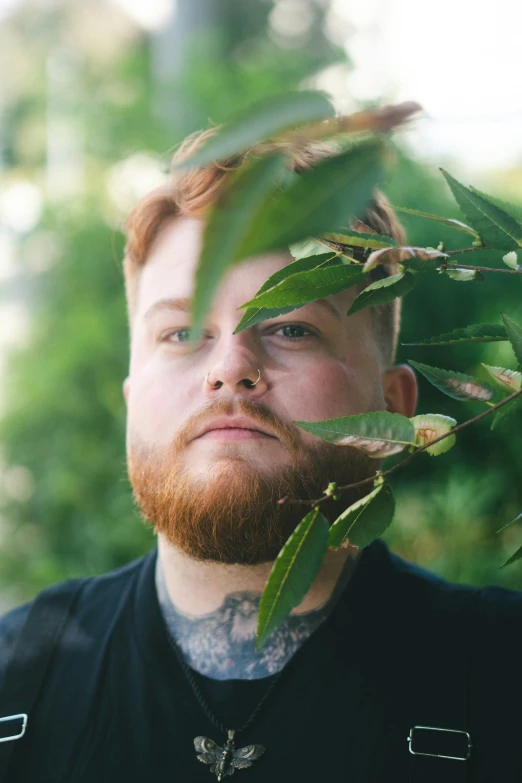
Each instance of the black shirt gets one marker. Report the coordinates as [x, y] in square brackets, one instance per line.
[400, 648]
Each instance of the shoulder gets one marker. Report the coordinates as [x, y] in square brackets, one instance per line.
[96, 606]
[422, 589]
[431, 618]
[101, 596]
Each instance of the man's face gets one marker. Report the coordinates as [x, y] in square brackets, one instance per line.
[215, 493]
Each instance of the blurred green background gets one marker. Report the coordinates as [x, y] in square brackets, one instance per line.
[92, 101]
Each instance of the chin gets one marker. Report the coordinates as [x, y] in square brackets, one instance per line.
[234, 462]
[222, 504]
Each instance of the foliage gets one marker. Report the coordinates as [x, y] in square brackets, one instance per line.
[297, 289]
[294, 270]
[364, 520]
[269, 117]
[293, 572]
[379, 434]
[66, 504]
[256, 212]
[73, 364]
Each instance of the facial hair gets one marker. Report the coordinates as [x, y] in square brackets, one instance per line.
[231, 514]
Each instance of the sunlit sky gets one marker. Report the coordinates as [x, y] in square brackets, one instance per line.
[461, 59]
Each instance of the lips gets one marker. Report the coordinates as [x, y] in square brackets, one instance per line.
[236, 423]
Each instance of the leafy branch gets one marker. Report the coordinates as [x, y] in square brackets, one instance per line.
[264, 207]
[382, 474]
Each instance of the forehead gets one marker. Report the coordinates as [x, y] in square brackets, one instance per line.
[173, 259]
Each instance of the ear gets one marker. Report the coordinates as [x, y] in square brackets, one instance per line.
[400, 389]
[126, 389]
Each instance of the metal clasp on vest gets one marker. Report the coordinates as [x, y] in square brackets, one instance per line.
[438, 755]
[23, 716]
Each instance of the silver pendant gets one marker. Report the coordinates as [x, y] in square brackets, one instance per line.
[225, 760]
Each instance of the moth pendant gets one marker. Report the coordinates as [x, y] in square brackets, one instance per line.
[225, 760]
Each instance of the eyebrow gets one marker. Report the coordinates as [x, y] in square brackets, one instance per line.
[329, 306]
[184, 305]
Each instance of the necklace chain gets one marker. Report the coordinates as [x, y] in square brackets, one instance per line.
[201, 699]
[199, 696]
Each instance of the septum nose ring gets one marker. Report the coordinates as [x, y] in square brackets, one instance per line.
[251, 383]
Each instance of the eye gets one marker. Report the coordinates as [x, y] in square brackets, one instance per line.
[295, 331]
[182, 335]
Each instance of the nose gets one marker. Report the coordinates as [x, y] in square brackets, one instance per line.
[236, 371]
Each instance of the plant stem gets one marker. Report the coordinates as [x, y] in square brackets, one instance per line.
[318, 501]
[482, 268]
[467, 250]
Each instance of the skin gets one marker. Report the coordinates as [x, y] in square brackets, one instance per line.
[316, 363]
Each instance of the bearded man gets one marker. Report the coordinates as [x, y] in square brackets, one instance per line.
[383, 672]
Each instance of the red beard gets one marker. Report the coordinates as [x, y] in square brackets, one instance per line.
[231, 514]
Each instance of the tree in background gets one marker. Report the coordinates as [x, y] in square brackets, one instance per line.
[66, 504]
[89, 123]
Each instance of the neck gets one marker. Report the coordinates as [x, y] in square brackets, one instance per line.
[204, 602]
[199, 587]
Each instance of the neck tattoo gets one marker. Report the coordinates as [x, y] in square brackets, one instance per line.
[221, 644]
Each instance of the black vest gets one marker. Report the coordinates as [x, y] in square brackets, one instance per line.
[404, 670]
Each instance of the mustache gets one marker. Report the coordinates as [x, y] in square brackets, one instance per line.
[288, 434]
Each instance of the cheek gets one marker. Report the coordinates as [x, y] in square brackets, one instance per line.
[329, 390]
[158, 401]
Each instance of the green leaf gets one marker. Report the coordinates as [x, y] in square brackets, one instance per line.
[255, 314]
[306, 248]
[454, 384]
[446, 221]
[506, 412]
[318, 200]
[507, 379]
[264, 120]
[229, 221]
[494, 226]
[514, 210]
[429, 427]
[293, 572]
[253, 214]
[304, 287]
[378, 434]
[514, 335]
[316, 245]
[383, 291]
[361, 239]
[476, 333]
[365, 520]
[513, 559]
[464, 275]
[306, 264]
